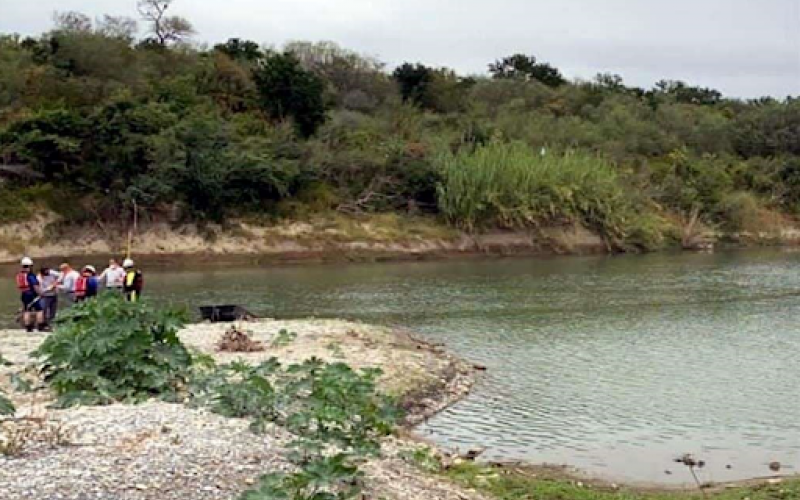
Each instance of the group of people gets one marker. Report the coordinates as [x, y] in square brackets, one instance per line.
[40, 291]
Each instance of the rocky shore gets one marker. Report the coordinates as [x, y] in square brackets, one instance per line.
[161, 451]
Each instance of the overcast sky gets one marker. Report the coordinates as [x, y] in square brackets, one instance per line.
[745, 48]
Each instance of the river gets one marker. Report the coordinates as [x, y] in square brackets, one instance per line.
[615, 365]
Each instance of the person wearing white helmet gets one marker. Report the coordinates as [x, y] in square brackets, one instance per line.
[113, 277]
[30, 292]
[134, 281]
[86, 285]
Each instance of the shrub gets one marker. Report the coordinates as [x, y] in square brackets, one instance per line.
[324, 478]
[511, 186]
[13, 206]
[107, 350]
[741, 211]
[319, 402]
[286, 90]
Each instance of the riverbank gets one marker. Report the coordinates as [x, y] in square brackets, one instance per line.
[338, 238]
[168, 451]
[323, 239]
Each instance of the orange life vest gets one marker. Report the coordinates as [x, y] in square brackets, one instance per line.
[81, 286]
[22, 282]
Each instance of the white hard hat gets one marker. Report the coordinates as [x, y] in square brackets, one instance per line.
[26, 261]
[90, 268]
[127, 263]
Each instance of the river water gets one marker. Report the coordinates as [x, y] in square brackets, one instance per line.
[615, 365]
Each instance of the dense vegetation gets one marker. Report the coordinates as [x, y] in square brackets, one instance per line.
[97, 122]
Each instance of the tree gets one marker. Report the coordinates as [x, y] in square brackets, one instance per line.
[356, 81]
[165, 29]
[687, 94]
[240, 50]
[121, 27]
[415, 81]
[228, 82]
[609, 81]
[50, 141]
[15, 61]
[286, 90]
[440, 90]
[522, 67]
[72, 22]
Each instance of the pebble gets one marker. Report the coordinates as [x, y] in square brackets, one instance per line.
[160, 451]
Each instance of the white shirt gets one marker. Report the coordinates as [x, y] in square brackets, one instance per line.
[68, 281]
[114, 276]
[48, 283]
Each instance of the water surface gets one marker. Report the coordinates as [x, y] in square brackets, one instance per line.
[615, 365]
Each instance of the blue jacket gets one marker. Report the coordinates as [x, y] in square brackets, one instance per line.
[91, 286]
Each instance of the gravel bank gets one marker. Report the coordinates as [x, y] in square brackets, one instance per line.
[159, 451]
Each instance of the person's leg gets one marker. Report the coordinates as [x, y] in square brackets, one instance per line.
[27, 320]
[53, 309]
[46, 306]
[41, 324]
[27, 315]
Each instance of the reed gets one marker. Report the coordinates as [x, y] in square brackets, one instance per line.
[512, 186]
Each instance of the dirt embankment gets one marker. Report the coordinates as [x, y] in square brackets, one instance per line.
[159, 451]
[334, 238]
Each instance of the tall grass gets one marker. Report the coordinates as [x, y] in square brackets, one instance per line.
[512, 186]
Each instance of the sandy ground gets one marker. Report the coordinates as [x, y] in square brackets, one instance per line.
[165, 451]
[335, 238]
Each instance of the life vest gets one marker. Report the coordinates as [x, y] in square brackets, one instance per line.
[134, 281]
[81, 287]
[22, 282]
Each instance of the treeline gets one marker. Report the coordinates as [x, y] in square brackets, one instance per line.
[97, 122]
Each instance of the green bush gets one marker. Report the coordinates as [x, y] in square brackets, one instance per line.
[14, 207]
[106, 349]
[509, 185]
[323, 403]
[324, 478]
[740, 211]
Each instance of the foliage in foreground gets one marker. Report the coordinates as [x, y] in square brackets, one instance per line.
[510, 485]
[335, 412]
[106, 350]
[323, 478]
